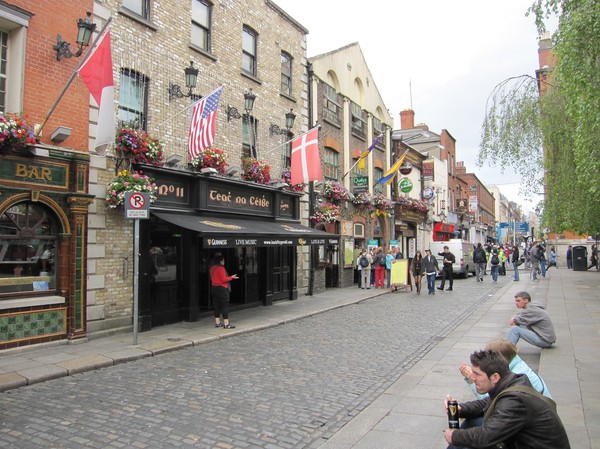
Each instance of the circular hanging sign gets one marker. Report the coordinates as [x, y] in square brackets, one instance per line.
[406, 168]
[405, 185]
[428, 193]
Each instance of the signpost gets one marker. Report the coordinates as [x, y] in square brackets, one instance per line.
[137, 206]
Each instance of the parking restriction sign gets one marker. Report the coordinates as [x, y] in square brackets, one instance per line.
[137, 205]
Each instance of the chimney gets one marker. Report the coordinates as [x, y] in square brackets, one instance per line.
[407, 119]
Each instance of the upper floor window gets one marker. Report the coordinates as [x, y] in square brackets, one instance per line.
[330, 104]
[133, 94]
[3, 69]
[249, 136]
[358, 122]
[330, 164]
[286, 155]
[28, 244]
[201, 20]
[286, 74]
[249, 39]
[377, 175]
[139, 7]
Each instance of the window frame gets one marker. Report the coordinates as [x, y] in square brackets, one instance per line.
[330, 104]
[253, 57]
[206, 29]
[249, 139]
[144, 7]
[287, 62]
[331, 167]
[358, 122]
[377, 175]
[143, 111]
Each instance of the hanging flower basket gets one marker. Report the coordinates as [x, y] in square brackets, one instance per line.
[136, 146]
[129, 181]
[210, 158]
[286, 176]
[363, 201]
[15, 132]
[326, 213]
[383, 205]
[255, 170]
[335, 192]
[412, 204]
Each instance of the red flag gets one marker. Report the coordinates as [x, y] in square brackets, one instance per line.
[97, 74]
[306, 163]
[204, 118]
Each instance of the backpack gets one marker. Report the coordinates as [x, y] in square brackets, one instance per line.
[363, 261]
[495, 260]
[381, 260]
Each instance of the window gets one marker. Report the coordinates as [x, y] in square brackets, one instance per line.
[249, 38]
[249, 136]
[201, 18]
[330, 105]
[133, 94]
[358, 123]
[28, 237]
[330, 164]
[286, 156]
[378, 174]
[139, 7]
[3, 66]
[286, 74]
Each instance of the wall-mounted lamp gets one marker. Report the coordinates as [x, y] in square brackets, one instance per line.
[209, 171]
[290, 117]
[191, 76]
[85, 28]
[249, 98]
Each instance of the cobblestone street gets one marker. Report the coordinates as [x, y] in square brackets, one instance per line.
[285, 387]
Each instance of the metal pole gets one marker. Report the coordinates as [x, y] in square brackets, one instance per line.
[136, 274]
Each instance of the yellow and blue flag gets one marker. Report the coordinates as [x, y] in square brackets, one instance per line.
[389, 176]
[364, 154]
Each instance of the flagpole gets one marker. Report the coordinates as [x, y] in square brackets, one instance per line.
[85, 58]
[189, 106]
[361, 157]
[292, 139]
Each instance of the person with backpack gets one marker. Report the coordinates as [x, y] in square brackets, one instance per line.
[480, 259]
[364, 263]
[535, 260]
[495, 265]
[379, 263]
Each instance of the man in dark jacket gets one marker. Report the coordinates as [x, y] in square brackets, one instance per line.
[447, 272]
[480, 259]
[518, 418]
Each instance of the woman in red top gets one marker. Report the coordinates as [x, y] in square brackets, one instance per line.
[219, 291]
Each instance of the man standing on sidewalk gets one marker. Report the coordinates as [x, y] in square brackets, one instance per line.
[515, 262]
[514, 415]
[447, 272]
[480, 260]
[532, 324]
[535, 260]
[430, 265]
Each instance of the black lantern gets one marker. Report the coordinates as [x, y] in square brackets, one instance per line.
[191, 77]
[290, 117]
[85, 28]
[232, 111]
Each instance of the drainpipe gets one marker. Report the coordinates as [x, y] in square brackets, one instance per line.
[311, 185]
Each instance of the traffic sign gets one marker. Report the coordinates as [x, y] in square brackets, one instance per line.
[137, 205]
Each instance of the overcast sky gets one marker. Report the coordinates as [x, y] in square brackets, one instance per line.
[452, 53]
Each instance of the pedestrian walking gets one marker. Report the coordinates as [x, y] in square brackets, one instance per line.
[515, 262]
[480, 260]
[364, 261]
[570, 257]
[535, 260]
[219, 290]
[379, 262]
[431, 268]
[388, 267]
[447, 270]
[593, 258]
[418, 269]
[553, 258]
[543, 261]
[495, 265]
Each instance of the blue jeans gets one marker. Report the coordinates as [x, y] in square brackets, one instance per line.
[495, 269]
[431, 283]
[516, 268]
[518, 332]
[543, 267]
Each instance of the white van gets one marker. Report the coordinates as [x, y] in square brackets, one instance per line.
[463, 251]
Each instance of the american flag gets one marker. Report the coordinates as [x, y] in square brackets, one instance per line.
[204, 118]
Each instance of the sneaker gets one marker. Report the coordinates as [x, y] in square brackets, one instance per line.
[228, 326]
[219, 325]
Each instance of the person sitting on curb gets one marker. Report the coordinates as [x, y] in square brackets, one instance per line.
[514, 414]
[532, 324]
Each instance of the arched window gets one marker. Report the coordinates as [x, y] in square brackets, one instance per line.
[28, 249]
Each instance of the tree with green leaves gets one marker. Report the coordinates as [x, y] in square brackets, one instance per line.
[553, 140]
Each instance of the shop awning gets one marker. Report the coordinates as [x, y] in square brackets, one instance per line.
[219, 232]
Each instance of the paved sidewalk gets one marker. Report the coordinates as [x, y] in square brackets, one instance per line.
[410, 414]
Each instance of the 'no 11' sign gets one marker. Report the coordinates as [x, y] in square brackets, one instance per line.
[137, 205]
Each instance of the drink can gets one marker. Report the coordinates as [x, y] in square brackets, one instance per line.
[453, 415]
